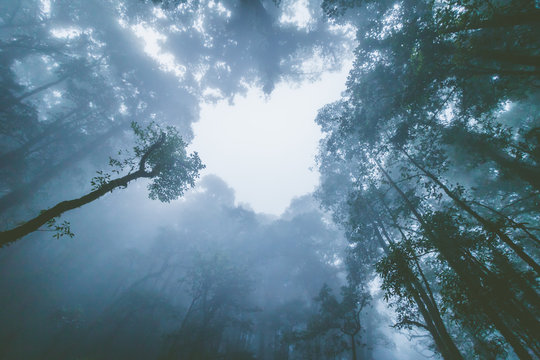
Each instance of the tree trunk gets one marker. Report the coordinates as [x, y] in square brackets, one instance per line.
[353, 347]
[514, 168]
[25, 191]
[10, 236]
[426, 294]
[475, 289]
[488, 225]
[513, 223]
[509, 166]
[426, 305]
[41, 88]
[429, 310]
[483, 296]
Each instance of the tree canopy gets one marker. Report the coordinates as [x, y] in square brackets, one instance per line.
[430, 156]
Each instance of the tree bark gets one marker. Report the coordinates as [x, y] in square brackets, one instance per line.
[426, 294]
[478, 292]
[424, 300]
[513, 223]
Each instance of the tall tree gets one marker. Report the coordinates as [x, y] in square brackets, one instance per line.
[431, 97]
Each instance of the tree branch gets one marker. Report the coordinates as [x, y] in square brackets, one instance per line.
[151, 149]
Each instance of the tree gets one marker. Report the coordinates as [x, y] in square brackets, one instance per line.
[336, 317]
[440, 113]
[159, 154]
[218, 289]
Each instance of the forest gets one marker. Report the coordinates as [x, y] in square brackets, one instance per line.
[420, 241]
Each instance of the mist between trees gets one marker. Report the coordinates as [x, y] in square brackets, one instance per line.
[421, 240]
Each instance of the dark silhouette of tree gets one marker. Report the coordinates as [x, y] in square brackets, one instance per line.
[219, 300]
[334, 320]
[159, 155]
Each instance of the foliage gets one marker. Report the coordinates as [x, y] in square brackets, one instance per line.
[337, 325]
[218, 290]
[175, 171]
[60, 230]
[426, 163]
[159, 155]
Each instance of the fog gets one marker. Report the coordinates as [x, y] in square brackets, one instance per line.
[267, 179]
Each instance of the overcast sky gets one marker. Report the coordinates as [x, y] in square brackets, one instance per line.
[264, 148]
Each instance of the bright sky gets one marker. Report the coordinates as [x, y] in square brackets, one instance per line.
[264, 148]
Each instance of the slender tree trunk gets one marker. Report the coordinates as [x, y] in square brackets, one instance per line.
[353, 347]
[426, 293]
[418, 267]
[488, 225]
[41, 88]
[516, 168]
[475, 288]
[417, 264]
[482, 296]
[515, 224]
[10, 236]
[429, 311]
[519, 316]
[508, 165]
[18, 99]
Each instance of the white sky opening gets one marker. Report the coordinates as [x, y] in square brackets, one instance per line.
[265, 147]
